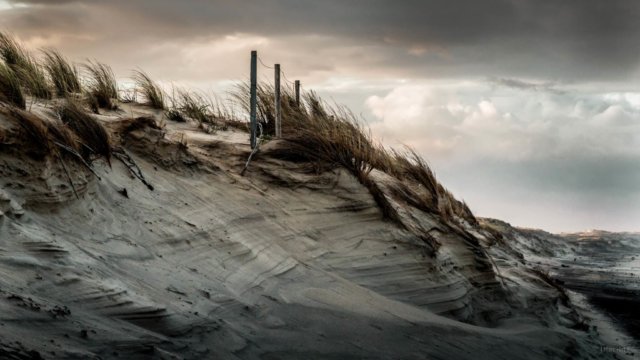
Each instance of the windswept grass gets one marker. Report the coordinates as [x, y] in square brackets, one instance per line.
[334, 136]
[10, 91]
[93, 137]
[210, 113]
[330, 136]
[223, 111]
[49, 139]
[152, 92]
[32, 130]
[125, 126]
[409, 165]
[11, 51]
[102, 85]
[62, 73]
[194, 105]
[39, 137]
[266, 105]
[128, 95]
[173, 112]
[30, 74]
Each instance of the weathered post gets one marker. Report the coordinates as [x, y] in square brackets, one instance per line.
[278, 104]
[254, 98]
[298, 93]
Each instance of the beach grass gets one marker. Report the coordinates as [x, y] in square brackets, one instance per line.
[93, 137]
[62, 73]
[151, 91]
[29, 72]
[10, 90]
[102, 86]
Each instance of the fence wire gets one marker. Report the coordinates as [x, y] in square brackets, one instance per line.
[263, 64]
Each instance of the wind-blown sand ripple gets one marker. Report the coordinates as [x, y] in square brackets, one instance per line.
[280, 264]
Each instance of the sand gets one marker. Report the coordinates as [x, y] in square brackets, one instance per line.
[278, 264]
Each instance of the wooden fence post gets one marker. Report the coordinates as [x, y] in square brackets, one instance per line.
[254, 98]
[278, 104]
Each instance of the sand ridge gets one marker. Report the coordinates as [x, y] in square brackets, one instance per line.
[279, 264]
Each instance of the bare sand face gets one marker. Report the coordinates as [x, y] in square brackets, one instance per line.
[605, 268]
[279, 264]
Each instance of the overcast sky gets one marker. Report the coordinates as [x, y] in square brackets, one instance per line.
[527, 109]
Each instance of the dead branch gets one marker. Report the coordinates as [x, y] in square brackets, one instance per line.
[134, 169]
[76, 154]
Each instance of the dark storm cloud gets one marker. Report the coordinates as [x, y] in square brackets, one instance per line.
[525, 85]
[566, 40]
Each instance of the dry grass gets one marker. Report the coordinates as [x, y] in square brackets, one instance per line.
[408, 166]
[331, 136]
[266, 105]
[62, 73]
[194, 106]
[128, 95]
[402, 190]
[92, 135]
[208, 111]
[226, 123]
[125, 126]
[102, 86]
[26, 68]
[152, 92]
[174, 114]
[462, 210]
[10, 90]
[328, 136]
[222, 111]
[334, 137]
[11, 51]
[39, 138]
[32, 130]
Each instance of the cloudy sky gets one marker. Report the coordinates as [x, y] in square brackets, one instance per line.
[527, 109]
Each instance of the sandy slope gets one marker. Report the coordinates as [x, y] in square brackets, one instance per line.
[605, 267]
[279, 264]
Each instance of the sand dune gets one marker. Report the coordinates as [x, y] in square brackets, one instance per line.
[278, 264]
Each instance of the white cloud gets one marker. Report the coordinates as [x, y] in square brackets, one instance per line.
[451, 121]
[616, 116]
